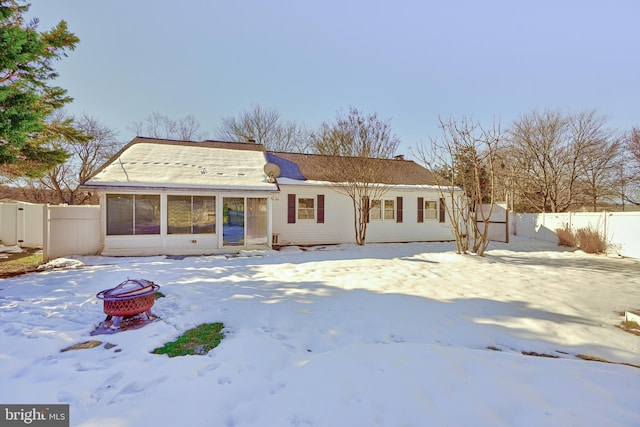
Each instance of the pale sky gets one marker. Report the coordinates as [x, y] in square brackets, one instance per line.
[409, 61]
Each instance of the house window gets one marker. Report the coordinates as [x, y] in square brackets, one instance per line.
[382, 209]
[132, 214]
[389, 209]
[191, 215]
[430, 210]
[306, 208]
[427, 210]
[375, 211]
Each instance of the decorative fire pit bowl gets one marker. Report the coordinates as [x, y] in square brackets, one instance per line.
[129, 298]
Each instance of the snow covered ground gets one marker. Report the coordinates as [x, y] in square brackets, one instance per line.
[381, 335]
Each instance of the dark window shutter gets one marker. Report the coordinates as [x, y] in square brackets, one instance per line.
[442, 210]
[399, 207]
[320, 208]
[420, 209]
[291, 209]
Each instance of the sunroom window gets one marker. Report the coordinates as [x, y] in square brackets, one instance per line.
[191, 214]
[133, 214]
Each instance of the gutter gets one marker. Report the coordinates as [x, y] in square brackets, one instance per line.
[130, 188]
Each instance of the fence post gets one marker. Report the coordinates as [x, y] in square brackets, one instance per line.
[570, 225]
[506, 223]
[46, 233]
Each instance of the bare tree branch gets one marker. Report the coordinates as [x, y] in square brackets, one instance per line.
[87, 154]
[158, 125]
[264, 126]
[465, 159]
[361, 139]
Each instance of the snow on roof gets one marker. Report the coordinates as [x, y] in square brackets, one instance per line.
[156, 163]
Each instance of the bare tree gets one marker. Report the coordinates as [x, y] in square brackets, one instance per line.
[158, 125]
[599, 150]
[355, 143]
[61, 184]
[506, 177]
[264, 126]
[561, 160]
[629, 169]
[542, 155]
[465, 158]
[633, 143]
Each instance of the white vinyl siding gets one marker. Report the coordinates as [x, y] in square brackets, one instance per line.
[395, 225]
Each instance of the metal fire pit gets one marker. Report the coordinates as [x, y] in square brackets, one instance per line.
[129, 298]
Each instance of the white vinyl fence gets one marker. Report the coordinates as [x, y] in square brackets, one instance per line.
[498, 227]
[71, 230]
[621, 229]
[58, 230]
[21, 224]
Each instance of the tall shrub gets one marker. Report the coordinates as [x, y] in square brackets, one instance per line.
[566, 237]
[591, 241]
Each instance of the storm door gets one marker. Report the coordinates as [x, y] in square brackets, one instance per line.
[257, 221]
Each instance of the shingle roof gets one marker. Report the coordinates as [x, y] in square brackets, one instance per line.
[317, 167]
[149, 162]
[216, 164]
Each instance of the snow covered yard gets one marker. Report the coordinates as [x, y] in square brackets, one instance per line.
[381, 335]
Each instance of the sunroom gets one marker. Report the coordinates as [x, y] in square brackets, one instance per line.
[180, 198]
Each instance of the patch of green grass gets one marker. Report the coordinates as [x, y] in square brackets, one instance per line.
[17, 264]
[199, 340]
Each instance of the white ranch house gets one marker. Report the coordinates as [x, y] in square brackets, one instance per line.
[165, 197]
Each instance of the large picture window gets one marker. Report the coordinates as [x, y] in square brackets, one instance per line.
[132, 214]
[191, 215]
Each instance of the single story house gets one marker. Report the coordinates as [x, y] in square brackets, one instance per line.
[185, 198]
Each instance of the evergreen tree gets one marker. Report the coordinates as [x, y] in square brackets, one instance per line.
[27, 97]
